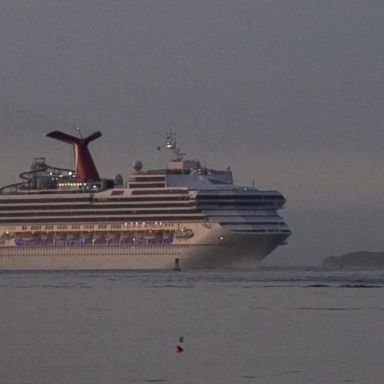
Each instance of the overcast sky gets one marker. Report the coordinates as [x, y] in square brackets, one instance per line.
[288, 93]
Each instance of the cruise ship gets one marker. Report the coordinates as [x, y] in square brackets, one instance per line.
[185, 216]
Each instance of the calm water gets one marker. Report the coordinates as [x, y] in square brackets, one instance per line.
[265, 326]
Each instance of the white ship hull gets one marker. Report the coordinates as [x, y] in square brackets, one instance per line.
[234, 251]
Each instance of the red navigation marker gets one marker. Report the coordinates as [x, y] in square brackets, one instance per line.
[179, 349]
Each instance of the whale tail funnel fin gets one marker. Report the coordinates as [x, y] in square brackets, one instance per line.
[85, 167]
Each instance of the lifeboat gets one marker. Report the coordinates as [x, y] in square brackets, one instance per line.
[184, 233]
[168, 237]
[73, 235]
[25, 236]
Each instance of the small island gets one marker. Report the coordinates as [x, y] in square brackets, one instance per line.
[356, 260]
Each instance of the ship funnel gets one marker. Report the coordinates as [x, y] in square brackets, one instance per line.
[85, 167]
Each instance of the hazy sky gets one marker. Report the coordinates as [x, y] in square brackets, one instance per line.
[288, 93]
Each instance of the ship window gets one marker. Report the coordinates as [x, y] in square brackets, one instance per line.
[117, 192]
[161, 191]
[147, 185]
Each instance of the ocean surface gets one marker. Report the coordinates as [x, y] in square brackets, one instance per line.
[271, 325]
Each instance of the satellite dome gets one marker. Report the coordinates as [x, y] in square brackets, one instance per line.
[137, 165]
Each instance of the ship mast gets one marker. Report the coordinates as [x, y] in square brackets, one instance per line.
[171, 143]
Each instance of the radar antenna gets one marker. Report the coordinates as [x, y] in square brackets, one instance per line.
[171, 143]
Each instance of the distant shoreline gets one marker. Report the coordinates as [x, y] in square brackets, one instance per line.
[355, 259]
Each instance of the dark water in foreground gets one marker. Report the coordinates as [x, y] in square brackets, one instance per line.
[264, 326]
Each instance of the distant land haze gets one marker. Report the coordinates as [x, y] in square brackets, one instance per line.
[356, 259]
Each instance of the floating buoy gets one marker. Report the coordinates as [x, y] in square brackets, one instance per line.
[179, 349]
[181, 339]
